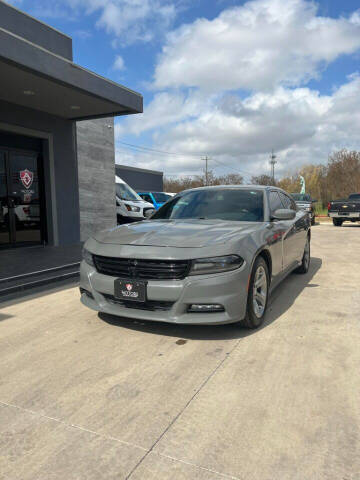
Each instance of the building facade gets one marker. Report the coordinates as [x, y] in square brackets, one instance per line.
[56, 137]
[141, 179]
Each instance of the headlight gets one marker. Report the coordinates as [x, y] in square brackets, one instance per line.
[132, 208]
[308, 209]
[215, 264]
[88, 258]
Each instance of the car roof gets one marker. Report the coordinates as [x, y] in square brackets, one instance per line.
[240, 187]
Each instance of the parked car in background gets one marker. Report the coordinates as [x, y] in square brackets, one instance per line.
[129, 206]
[210, 255]
[345, 210]
[156, 198]
[305, 202]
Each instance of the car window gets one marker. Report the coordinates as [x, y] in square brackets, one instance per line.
[354, 196]
[232, 204]
[275, 202]
[161, 197]
[287, 201]
[124, 192]
[146, 197]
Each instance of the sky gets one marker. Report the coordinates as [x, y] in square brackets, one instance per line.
[228, 79]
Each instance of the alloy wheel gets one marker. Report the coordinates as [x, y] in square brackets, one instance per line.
[260, 291]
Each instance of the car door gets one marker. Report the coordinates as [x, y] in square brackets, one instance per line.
[300, 227]
[275, 235]
[292, 236]
[288, 233]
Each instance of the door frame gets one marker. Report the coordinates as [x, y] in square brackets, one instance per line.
[42, 202]
[49, 174]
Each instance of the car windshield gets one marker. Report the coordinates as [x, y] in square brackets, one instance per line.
[301, 197]
[124, 192]
[161, 197]
[232, 204]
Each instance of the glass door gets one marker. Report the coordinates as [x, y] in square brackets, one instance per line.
[20, 197]
[4, 217]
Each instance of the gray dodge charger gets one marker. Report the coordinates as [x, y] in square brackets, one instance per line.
[210, 255]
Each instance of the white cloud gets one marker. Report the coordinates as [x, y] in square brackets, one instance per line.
[129, 21]
[119, 63]
[302, 126]
[257, 46]
[164, 110]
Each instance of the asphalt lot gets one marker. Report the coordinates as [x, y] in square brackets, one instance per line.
[84, 396]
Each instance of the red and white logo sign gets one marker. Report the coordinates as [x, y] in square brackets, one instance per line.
[128, 287]
[26, 177]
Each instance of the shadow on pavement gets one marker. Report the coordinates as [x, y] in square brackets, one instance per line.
[280, 301]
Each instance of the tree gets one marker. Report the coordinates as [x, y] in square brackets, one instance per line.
[175, 185]
[263, 180]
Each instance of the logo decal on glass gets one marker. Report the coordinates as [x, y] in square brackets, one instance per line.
[26, 177]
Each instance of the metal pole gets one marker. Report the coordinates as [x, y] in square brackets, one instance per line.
[206, 171]
[272, 163]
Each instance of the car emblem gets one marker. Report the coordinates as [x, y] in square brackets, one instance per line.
[26, 177]
[128, 287]
[345, 206]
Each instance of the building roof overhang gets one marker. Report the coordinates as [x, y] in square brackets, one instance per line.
[34, 77]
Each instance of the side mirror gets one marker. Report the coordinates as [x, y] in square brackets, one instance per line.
[314, 201]
[284, 214]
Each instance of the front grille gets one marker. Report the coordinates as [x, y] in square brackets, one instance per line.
[142, 269]
[150, 305]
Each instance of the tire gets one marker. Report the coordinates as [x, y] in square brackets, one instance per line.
[337, 222]
[255, 310]
[305, 262]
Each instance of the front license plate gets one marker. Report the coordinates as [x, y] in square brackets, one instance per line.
[130, 290]
[344, 214]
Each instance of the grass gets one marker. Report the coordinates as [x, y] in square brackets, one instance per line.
[320, 210]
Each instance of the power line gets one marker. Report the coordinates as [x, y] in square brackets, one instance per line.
[141, 148]
[163, 152]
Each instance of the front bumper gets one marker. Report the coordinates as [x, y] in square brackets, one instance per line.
[228, 289]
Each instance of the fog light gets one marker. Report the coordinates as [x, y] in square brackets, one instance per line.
[203, 308]
[86, 292]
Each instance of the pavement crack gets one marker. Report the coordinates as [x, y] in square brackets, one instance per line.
[198, 390]
[72, 425]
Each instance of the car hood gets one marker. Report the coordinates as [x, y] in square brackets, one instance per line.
[180, 233]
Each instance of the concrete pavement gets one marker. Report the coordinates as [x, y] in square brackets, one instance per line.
[84, 396]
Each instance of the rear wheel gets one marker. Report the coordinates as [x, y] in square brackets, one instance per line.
[305, 262]
[337, 222]
[258, 295]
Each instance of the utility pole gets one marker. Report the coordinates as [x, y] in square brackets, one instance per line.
[272, 163]
[206, 171]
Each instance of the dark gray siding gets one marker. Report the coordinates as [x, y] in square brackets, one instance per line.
[65, 169]
[141, 180]
[96, 164]
[36, 32]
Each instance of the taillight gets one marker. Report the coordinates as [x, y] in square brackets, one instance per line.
[329, 206]
[26, 210]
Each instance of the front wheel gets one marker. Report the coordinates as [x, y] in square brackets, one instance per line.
[258, 294]
[337, 222]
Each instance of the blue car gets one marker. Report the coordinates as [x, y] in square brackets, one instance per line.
[156, 198]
